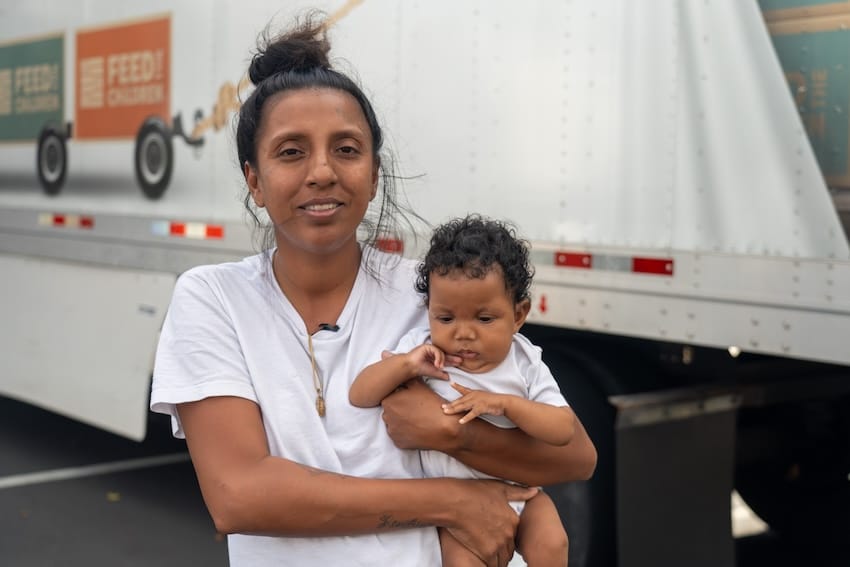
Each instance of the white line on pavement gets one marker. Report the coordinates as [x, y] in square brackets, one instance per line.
[90, 470]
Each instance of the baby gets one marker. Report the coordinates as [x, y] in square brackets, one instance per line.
[476, 279]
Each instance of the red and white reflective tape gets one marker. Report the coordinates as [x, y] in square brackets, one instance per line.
[62, 220]
[392, 245]
[614, 263]
[195, 230]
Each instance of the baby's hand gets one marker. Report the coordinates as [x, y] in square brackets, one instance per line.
[428, 360]
[475, 403]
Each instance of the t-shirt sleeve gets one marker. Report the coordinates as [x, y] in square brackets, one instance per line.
[542, 386]
[199, 354]
[412, 339]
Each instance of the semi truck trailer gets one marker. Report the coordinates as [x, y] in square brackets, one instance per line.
[679, 168]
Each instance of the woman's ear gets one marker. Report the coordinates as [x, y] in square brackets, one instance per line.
[253, 184]
[376, 176]
[521, 311]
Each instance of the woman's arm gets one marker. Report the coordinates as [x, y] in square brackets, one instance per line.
[249, 491]
[415, 420]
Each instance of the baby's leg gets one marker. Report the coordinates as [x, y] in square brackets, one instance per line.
[541, 539]
[455, 554]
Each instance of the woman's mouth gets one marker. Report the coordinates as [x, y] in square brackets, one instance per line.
[321, 208]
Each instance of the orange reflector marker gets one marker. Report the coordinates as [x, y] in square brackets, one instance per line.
[215, 231]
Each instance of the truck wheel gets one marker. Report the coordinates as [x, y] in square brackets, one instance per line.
[588, 374]
[587, 508]
[51, 160]
[154, 157]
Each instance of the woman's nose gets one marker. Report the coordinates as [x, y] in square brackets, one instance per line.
[321, 173]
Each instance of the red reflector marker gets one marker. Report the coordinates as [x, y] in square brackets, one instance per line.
[573, 259]
[391, 245]
[660, 266]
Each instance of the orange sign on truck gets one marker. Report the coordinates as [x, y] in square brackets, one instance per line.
[123, 78]
[122, 91]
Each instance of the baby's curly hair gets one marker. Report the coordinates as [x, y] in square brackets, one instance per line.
[476, 245]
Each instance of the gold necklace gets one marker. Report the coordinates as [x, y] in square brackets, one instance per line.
[320, 399]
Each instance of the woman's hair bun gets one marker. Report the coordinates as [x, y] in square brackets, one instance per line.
[303, 48]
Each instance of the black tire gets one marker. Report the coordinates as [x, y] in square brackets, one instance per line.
[588, 371]
[154, 157]
[51, 160]
[587, 508]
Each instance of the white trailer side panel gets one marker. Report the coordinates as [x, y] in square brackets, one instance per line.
[80, 340]
[665, 125]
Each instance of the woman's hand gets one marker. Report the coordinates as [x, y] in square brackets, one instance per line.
[486, 524]
[415, 420]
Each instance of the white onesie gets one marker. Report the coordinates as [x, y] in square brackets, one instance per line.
[523, 373]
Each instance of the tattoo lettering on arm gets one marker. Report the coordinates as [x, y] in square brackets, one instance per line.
[388, 522]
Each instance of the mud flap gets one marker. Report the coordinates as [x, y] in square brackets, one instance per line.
[675, 466]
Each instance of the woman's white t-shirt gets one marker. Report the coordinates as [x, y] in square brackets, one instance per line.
[230, 331]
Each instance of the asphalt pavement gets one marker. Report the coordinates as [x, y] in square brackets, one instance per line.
[73, 496]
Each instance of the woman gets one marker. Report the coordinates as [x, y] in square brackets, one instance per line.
[256, 357]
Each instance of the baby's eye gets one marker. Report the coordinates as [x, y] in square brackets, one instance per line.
[444, 319]
[485, 318]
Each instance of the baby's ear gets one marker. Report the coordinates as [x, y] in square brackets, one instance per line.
[521, 311]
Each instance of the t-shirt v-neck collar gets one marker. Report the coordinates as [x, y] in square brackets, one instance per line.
[291, 315]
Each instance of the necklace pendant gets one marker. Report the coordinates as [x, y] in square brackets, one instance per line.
[320, 405]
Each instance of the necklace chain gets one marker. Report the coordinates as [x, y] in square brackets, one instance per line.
[320, 399]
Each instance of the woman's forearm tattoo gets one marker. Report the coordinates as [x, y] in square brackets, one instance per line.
[388, 522]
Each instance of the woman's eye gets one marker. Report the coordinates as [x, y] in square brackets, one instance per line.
[348, 150]
[289, 152]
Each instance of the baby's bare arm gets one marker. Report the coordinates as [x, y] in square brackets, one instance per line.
[378, 380]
